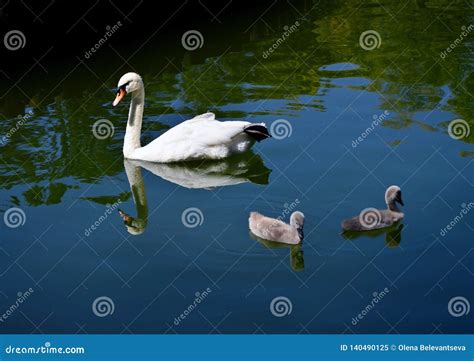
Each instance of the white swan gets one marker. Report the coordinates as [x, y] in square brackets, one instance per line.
[202, 137]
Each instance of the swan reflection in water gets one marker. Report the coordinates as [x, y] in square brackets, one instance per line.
[393, 235]
[296, 251]
[136, 225]
[240, 169]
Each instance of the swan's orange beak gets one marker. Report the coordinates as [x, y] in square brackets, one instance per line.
[120, 95]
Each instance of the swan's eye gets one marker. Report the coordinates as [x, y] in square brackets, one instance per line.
[121, 92]
[122, 87]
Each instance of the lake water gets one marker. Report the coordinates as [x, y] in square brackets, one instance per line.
[187, 237]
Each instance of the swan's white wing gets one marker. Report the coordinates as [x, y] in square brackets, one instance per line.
[201, 117]
[197, 138]
[203, 132]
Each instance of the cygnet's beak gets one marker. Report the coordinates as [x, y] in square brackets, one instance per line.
[398, 198]
[121, 92]
[301, 233]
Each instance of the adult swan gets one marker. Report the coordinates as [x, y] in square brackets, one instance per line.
[202, 137]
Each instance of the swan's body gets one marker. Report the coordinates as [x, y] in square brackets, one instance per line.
[371, 218]
[202, 137]
[275, 230]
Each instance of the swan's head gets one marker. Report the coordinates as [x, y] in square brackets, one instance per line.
[297, 221]
[128, 83]
[135, 226]
[393, 195]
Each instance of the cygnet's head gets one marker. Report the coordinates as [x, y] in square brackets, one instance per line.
[297, 219]
[255, 216]
[393, 195]
[128, 83]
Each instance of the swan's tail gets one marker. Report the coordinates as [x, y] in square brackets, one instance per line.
[258, 132]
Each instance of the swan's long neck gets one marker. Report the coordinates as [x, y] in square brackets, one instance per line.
[134, 124]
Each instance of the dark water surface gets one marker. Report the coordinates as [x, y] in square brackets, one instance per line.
[329, 90]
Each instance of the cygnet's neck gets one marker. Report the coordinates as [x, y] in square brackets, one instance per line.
[298, 227]
[393, 207]
[134, 125]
